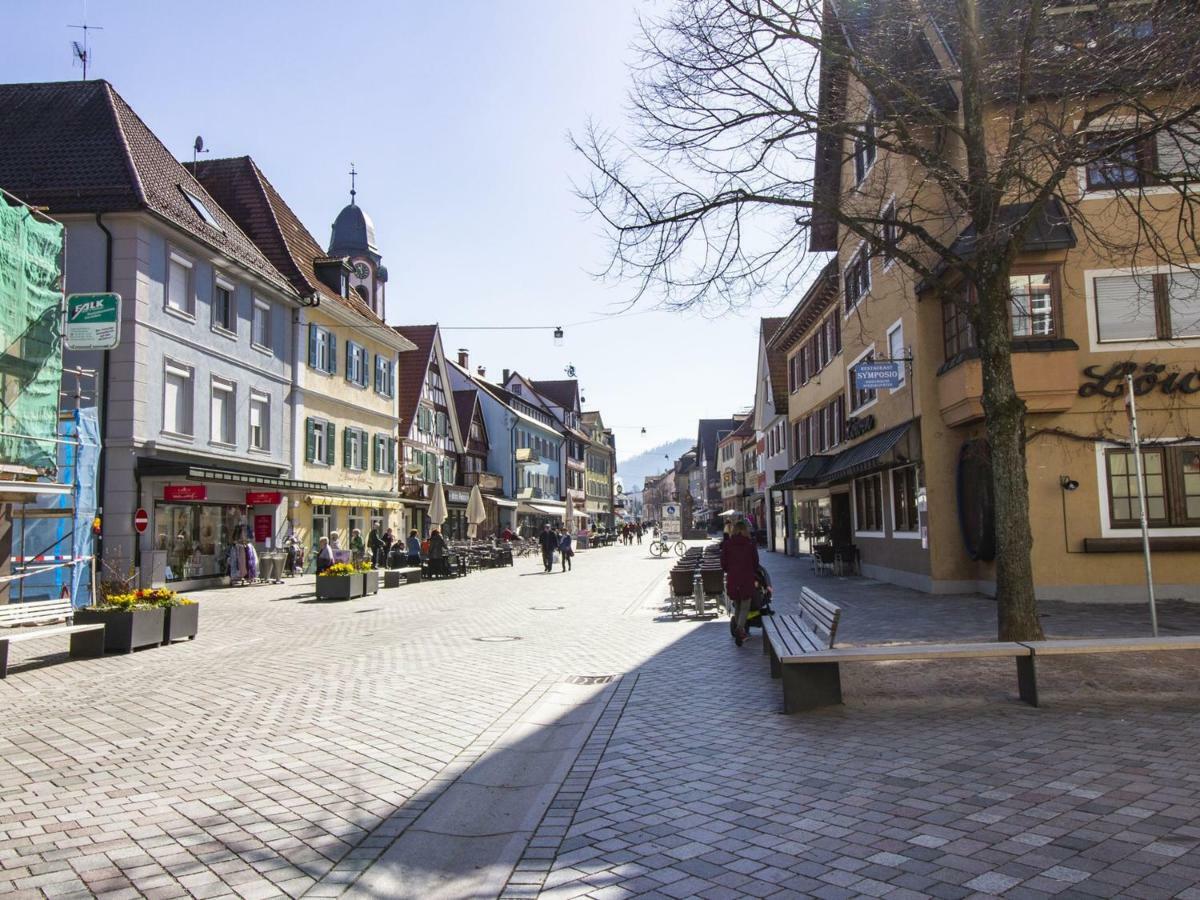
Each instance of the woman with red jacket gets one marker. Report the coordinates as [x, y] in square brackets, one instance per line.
[739, 560]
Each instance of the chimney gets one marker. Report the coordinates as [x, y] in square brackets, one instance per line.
[481, 372]
[464, 358]
[507, 372]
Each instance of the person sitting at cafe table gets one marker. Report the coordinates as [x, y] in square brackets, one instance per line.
[324, 555]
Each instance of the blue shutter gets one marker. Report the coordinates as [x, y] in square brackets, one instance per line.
[349, 361]
[331, 344]
[391, 455]
[312, 346]
[310, 445]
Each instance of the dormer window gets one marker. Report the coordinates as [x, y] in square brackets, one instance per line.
[201, 210]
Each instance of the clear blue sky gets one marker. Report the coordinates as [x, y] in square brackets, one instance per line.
[456, 116]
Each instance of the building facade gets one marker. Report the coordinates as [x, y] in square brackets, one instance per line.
[600, 469]
[772, 433]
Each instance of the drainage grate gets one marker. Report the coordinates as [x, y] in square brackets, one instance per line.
[589, 679]
[497, 638]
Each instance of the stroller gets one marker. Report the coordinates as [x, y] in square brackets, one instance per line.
[760, 605]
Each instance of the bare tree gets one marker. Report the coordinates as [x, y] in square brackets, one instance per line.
[768, 129]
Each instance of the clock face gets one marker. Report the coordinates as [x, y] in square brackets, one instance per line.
[361, 270]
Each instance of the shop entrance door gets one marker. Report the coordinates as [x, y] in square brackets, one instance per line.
[841, 529]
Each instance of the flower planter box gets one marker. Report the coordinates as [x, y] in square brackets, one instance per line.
[126, 631]
[180, 622]
[339, 587]
[371, 582]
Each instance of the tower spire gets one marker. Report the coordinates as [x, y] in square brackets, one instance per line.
[353, 192]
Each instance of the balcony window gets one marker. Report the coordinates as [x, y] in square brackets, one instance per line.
[1033, 304]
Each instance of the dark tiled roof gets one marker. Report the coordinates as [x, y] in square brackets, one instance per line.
[413, 367]
[239, 185]
[776, 365]
[77, 147]
[465, 402]
[709, 434]
[815, 301]
[564, 392]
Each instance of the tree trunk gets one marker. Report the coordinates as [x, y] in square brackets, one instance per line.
[1016, 606]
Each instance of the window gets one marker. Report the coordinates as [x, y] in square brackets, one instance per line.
[260, 326]
[1032, 299]
[385, 378]
[857, 283]
[1121, 160]
[179, 283]
[354, 448]
[177, 399]
[904, 499]
[895, 346]
[201, 210]
[356, 363]
[222, 428]
[833, 328]
[1172, 480]
[860, 397]
[385, 454]
[890, 233]
[447, 471]
[957, 333]
[868, 504]
[1147, 306]
[260, 421]
[319, 441]
[864, 147]
[1179, 153]
[224, 306]
[322, 349]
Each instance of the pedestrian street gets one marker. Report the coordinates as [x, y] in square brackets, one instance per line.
[523, 734]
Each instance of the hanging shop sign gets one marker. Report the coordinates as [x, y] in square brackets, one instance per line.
[263, 498]
[185, 492]
[93, 322]
[872, 376]
[1110, 382]
[857, 426]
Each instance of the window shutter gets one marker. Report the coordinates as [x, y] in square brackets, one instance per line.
[330, 444]
[349, 361]
[1179, 151]
[391, 455]
[312, 346]
[331, 344]
[375, 455]
[310, 440]
[1125, 308]
[347, 437]
[362, 449]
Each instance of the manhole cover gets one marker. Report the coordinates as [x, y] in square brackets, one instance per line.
[590, 679]
[496, 638]
[547, 608]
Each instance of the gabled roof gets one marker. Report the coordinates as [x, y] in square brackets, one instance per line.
[77, 147]
[413, 367]
[564, 392]
[776, 365]
[818, 298]
[709, 433]
[240, 186]
[466, 402]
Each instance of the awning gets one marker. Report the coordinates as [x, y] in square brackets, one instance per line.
[865, 456]
[501, 501]
[341, 500]
[156, 468]
[806, 472]
[542, 509]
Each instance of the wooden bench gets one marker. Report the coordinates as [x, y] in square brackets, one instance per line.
[86, 640]
[788, 638]
[1028, 680]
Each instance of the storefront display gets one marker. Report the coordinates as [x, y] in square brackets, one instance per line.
[197, 537]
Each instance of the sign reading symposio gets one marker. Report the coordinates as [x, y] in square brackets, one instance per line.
[1152, 376]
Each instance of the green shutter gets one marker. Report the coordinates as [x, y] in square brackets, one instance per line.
[347, 436]
[391, 456]
[330, 445]
[362, 449]
[310, 440]
[375, 454]
[331, 343]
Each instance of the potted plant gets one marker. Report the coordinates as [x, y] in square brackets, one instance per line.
[340, 582]
[181, 616]
[129, 622]
[370, 577]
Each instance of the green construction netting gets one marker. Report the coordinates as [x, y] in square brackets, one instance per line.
[30, 348]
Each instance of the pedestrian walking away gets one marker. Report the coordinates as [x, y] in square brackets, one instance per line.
[549, 543]
[413, 548]
[564, 547]
[375, 545]
[739, 560]
[385, 548]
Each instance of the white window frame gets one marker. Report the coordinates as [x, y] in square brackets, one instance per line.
[189, 311]
[264, 306]
[1106, 528]
[1089, 291]
[896, 533]
[220, 282]
[850, 408]
[898, 325]
[229, 388]
[1116, 123]
[257, 397]
[325, 340]
[854, 506]
[356, 364]
[356, 463]
[871, 117]
[181, 370]
[319, 438]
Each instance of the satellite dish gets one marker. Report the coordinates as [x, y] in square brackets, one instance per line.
[198, 145]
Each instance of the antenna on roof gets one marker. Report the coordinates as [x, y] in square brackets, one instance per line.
[197, 148]
[81, 51]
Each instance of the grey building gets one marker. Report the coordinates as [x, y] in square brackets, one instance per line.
[195, 400]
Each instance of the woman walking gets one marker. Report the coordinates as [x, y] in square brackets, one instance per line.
[413, 548]
[739, 560]
[564, 549]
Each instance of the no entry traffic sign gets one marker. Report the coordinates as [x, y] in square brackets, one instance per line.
[141, 520]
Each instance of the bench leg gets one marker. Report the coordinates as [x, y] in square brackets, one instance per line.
[776, 667]
[87, 643]
[1027, 679]
[3, 659]
[808, 686]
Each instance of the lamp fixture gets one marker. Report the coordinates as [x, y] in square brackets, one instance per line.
[558, 336]
[1067, 483]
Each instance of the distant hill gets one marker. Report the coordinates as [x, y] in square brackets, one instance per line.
[634, 470]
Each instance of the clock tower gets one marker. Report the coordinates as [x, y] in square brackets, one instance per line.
[353, 236]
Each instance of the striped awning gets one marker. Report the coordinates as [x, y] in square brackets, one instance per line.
[344, 500]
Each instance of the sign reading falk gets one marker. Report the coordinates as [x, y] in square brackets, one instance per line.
[93, 321]
[875, 375]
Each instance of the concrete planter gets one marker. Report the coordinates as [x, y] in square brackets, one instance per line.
[126, 630]
[180, 622]
[371, 582]
[340, 587]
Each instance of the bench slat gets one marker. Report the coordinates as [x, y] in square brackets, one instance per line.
[17, 637]
[1113, 645]
[991, 650]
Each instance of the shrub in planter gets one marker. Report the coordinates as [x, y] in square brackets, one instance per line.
[129, 622]
[340, 582]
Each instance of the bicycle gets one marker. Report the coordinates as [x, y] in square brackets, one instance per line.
[663, 546]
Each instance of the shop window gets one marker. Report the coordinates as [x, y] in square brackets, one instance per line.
[224, 306]
[260, 326]
[1172, 481]
[222, 428]
[260, 421]
[177, 399]
[868, 504]
[322, 523]
[197, 538]
[1147, 306]
[180, 286]
[904, 499]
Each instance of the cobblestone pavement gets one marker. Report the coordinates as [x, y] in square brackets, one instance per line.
[293, 743]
